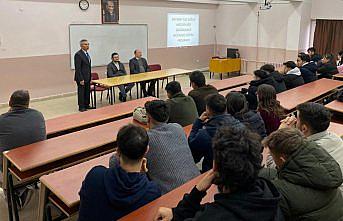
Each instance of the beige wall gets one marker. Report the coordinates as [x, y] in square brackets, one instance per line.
[328, 9]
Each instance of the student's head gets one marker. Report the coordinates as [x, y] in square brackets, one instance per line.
[215, 105]
[282, 144]
[266, 96]
[20, 99]
[115, 57]
[110, 6]
[197, 79]
[132, 143]
[138, 53]
[268, 67]
[312, 118]
[328, 58]
[237, 158]
[261, 74]
[173, 88]
[157, 112]
[302, 59]
[289, 65]
[236, 103]
[311, 51]
[84, 44]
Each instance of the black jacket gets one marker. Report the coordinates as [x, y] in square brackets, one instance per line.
[134, 66]
[199, 96]
[112, 70]
[308, 75]
[280, 85]
[327, 70]
[108, 194]
[311, 66]
[254, 121]
[293, 78]
[261, 202]
[82, 67]
[200, 138]
[316, 58]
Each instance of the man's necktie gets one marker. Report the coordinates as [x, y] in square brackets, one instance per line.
[89, 58]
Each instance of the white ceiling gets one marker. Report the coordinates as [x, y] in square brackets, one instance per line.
[234, 1]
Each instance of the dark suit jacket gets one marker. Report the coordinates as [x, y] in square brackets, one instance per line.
[134, 66]
[112, 70]
[308, 75]
[82, 67]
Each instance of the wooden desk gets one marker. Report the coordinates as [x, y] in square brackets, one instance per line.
[61, 188]
[225, 65]
[336, 128]
[338, 76]
[74, 122]
[308, 92]
[335, 106]
[136, 78]
[30, 162]
[236, 89]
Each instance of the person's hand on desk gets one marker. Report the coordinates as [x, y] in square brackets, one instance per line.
[164, 214]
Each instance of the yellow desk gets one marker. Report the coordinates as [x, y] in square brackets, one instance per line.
[226, 65]
[136, 78]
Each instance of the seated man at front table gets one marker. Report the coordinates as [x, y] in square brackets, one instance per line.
[20, 126]
[200, 90]
[108, 194]
[115, 69]
[205, 127]
[138, 64]
[182, 108]
[242, 194]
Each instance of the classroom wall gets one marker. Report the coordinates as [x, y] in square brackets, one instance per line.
[331, 9]
[34, 40]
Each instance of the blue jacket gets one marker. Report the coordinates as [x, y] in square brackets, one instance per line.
[108, 194]
[200, 138]
[309, 72]
[254, 122]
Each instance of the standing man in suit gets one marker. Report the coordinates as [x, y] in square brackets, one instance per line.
[138, 64]
[82, 62]
[115, 69]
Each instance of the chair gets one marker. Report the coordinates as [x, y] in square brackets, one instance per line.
[157, 67]
[95, 76]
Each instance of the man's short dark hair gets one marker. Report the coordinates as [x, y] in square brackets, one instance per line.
[311, 49]
[290, 64]
[237, 156]
[158, 110]
[268, 67]
[216, 103]
[173, 87]
[304, 57]
[284, 141]
[198, 78]
[261, 74]
[236, 104]
[315, 116]
[132, 142]
[20, 98]
[83, 40]
[114, 54]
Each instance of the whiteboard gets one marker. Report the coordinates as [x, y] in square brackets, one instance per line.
[108, 38]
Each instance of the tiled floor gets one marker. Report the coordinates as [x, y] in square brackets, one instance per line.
[59, 107]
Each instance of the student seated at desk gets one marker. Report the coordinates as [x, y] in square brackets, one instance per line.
[313, 55]
[20, 126]
[261, 77]
[327, 67]
[237, 106]
[242, 194]
[340, 62]
[108, 194]
[200, 90]
[307, 177]
[205, 127]
[292, 75]
[115, 69]
[313, 120]
[279, 79]
[307, 68]
[182, 108]
[270, 109]
[170, 160]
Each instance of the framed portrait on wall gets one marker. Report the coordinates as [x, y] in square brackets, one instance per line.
[110, 11]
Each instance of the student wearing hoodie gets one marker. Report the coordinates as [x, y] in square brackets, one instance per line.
[243, 196]
[261, 77]
[280, 82]
[316, 58]
[108, 194]
[313, 120]
[307, 68]
[182, 108]
[307, 177]
[292, 75]
[237, 106]
[205, 127]
[328, 67]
